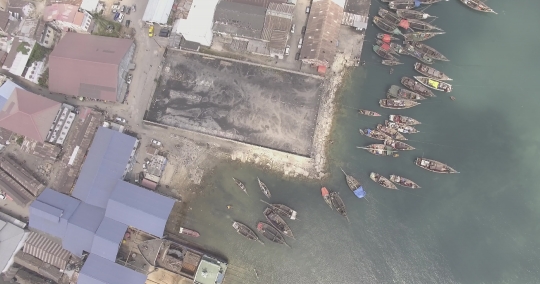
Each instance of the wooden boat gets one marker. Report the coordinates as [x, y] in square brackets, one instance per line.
[283, 210]
[430, 72]
[379, 149]
[403, 119]
[275, 220]
[410, 50]
[394, 134]
[429, 2]
[397, 104]
[246, 231]
[391, 62]
[384, 53]
[403, 4]
[421, 36]
[189, 232]
[354, 185]
[413, 14]
[386, 26]
[264, 188]
[326, 197]
[394, 92]
[405, 182]
[375, 134]
[402, 128]
[478, 6]
[271, 233]
[398, 145]
[416, 87]
[386, 37]
[389, 16]
[368, 112]
[434, 84]
[240, 185]
[380, 43]
[434, 166]
[382, 180]
[429, 51]
[422, 26]
[337, 202]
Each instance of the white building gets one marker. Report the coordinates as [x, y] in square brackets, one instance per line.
[198, 25]
[158, 11]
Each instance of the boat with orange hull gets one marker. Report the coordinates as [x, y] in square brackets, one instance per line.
[326, 197]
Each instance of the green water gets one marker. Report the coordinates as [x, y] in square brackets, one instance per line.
[479, 226]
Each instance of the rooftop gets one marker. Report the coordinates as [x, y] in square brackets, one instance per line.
[100, 270]
[11, 241]
[158, 11]
[60, 12]
[239, 19]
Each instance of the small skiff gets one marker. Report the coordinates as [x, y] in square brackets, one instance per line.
[240, 185]
[391, 62]
[368, 112]
[421, 36]
[246, 232]
[422, 26]
[413, 14]
[379, 150]
[189, 232]
[271, 233]
[478, 6]
[429, 51]
[403, 119]
[326, 197]
[337, 202]
[354, 185]
[278, 222]
[264, 188]
[384, 52]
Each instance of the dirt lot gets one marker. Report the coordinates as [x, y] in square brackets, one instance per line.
[247, 103]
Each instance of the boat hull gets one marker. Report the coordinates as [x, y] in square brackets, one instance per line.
[405, 182]
[375, 134]
[417, 87]
[434, 166]
[397, 104]
[434, 84]
[368, 112]
[431, 72]
[420, 36]
[403, 119]
[382, 181]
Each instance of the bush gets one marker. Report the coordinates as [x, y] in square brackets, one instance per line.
[23, 48]
[44, 79]
[38, 54]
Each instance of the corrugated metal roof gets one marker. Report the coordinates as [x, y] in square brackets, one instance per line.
[42, 218]
[108, 238]
[98, 270]
[158, 11]
[6, 90]
[139, 208]
[45, 249]
[237, 19]
[21, 175]
[11, 238]
[81, 228]
[260, 3]
[10, 186]
[104, 166]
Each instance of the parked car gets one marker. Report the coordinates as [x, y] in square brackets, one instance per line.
[128, 10]
[123, 8]
[134, 8]
[127, 23]
[287, 49]
[164, 32]
[120, 18]
[119, 119]
[303, 29]
[292, 29]
[116, 16]
[151, 31]
[129, 77]
[156, 142]
[300, 43]
[308, 9]
[297, 57]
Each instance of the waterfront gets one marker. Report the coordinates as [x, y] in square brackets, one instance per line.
[476, 227]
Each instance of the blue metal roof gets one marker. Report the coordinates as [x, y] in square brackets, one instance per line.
[6, 90]
[105, 164]
[81, 228]
[139, 208]
[50, 212]
[98, 270]
[108, 238]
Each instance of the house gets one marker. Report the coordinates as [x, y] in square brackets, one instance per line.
[239, 20]
[197, 28]
[68, 17]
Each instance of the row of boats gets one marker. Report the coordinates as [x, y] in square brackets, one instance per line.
[411, 4]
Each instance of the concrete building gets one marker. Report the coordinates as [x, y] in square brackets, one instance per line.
[322, 32]
[91, 66]
[239, 20]
[158, 11]
[61, 125]
[68, 17]
[277, 27]
[11, 241]
[19, 52]
[198, 25]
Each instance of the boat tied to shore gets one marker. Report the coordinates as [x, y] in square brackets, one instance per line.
[416, 87]
[434, 166]
[410, 50]
[326, 197]
[368, 112]
[386, 37]
[478, 6]
[434, 84]
[403, 119]
[271, 233]
[283, 210]
[382, 181]
[397, 103]
[400, 93]
[420, 36]
[354, 185]
[375, 134]
[189, 232]
[428, 50]
[380, 43]
[390, 62]
[240, 185]
[389, 16]
[398, 145]
[386, 26]
[402, 128]
[404, 4]
[413, 14]
[422, 26]
[394, 134]
[275, 220]
[338, 203]
[264, 188]
[405, 182]
[246, 232]
[379, 150]
[384, 52]
[430, 72]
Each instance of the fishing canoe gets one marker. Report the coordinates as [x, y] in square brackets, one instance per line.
[429, 2]
[379, 150]
[246, 232]
[384, 52]
[398, 145]
[396, 47]
[386, 26]
[429, 51]
[413, 14]
[386, 37]
[368, 112]
[405, 182]
[326, 197]
[189, 232]
[434, 166]
[354, 185]
[264, 188]
[275, 220]
[403, 119]
[397, 103]
[375, 134]
[434, 84]
[390, 62]
[416, 53]
[391, 50]
[478, 6]
[422, 26]
[402, 128]
[389, 16]
[430, 72]
[421, 36]
[394, 134]
[285, 211]
[384, 182]
[416, 87]
[240, 185]
[337, 202]
[271, 233]
[395, 92]
[400, 4]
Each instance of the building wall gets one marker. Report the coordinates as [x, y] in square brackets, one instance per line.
[123, 69]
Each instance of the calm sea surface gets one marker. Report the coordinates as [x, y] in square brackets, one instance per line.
[480, 226]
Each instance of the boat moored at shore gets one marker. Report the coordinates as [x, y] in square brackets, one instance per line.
[428, 50]
[430, 72]
[413, 14]
[375, 134]
[416, 87]
[271, 233]
[368, 112]
[326, 196]
[338, 204]
[403, 119]
[420, 36]
[434, 84]
[394, 134]
[354, 185]
[398, 145]
[399, 93]
[386, 26]
[240, 185]
[382, 181]
[245, 231]
[264, 188]
[402, 128]
[275, 220]
[189, 232]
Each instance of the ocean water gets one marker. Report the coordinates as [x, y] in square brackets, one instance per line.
[479, 226]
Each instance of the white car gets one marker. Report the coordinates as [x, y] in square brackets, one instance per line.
[120, 18]
[287, 49]
[119, 119]
[292, 29]
[156, 142]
